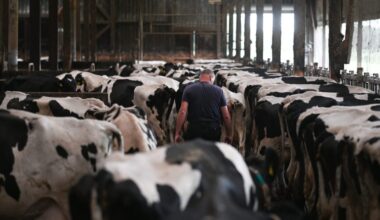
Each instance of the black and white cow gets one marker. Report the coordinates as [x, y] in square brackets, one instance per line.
[193, 180]
[41, 157]
[149, 71]
[267, 99]
[40, 83]
[86, 81]
[264, 100]
[50, 106]
[133, 125]
[158, 102]
[182, 74]
[121, 90]
[302, 170]
[132, 122]
[152, 80]
[156, 97]
[342, 137]
[6, 97]
[123, 69]
[236, 107]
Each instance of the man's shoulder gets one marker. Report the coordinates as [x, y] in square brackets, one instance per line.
[191, 86]
[217, 88]
[196, 85]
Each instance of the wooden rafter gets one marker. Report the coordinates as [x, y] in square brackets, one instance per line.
[103, 11]
[102, 31]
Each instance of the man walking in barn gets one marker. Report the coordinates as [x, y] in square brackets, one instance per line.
[204, 106]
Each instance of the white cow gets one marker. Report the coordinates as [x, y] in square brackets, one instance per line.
[42, 157]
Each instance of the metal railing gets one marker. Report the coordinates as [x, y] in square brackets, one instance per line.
[360, 78]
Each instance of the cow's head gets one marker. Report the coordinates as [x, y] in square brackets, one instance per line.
[169, 66]
[67, 84]
[127, 70]
[263, 173]
[162, 71]
[80, 83]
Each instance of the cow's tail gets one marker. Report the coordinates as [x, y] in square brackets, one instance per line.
[117, 141]
[172, 95]
[80, 197]
[171, 103]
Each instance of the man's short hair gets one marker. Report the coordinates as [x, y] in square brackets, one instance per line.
[207, 71]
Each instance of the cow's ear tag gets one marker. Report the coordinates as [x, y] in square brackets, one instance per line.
[270, 171]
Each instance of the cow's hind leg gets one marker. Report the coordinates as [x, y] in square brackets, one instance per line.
[44, 209]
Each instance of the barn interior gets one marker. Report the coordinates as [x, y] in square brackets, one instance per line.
[117, 31]
[301, 82]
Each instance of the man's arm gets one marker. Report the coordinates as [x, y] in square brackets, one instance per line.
[180, 120]
[227, 123]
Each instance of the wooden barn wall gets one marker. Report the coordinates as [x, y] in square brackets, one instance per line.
[198, 15]
[169, 25]
[168, 28]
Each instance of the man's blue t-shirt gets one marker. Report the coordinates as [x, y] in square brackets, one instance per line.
[205, 101]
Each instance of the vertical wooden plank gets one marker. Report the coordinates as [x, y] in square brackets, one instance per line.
[119, 31]
[78, 31]
[360, 36]
[113, 25]
[299, 36]
[340, 51]
[86, 29]
[238, 28]
[231, 30]
[309, 39]
[247, 29]
[311, 42]
[218, 31]
[5, 30]
[13, 35]
[335, 38]
[74, 8]
[1, 36]
[193, 44]
[53, 34]
[260, 31]
[67, 53]
[276, 37]
[141, 31]
[27, 39]
[347, 43]
[35, 33]
[224, 29]
[324, 11]
[93, 30]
